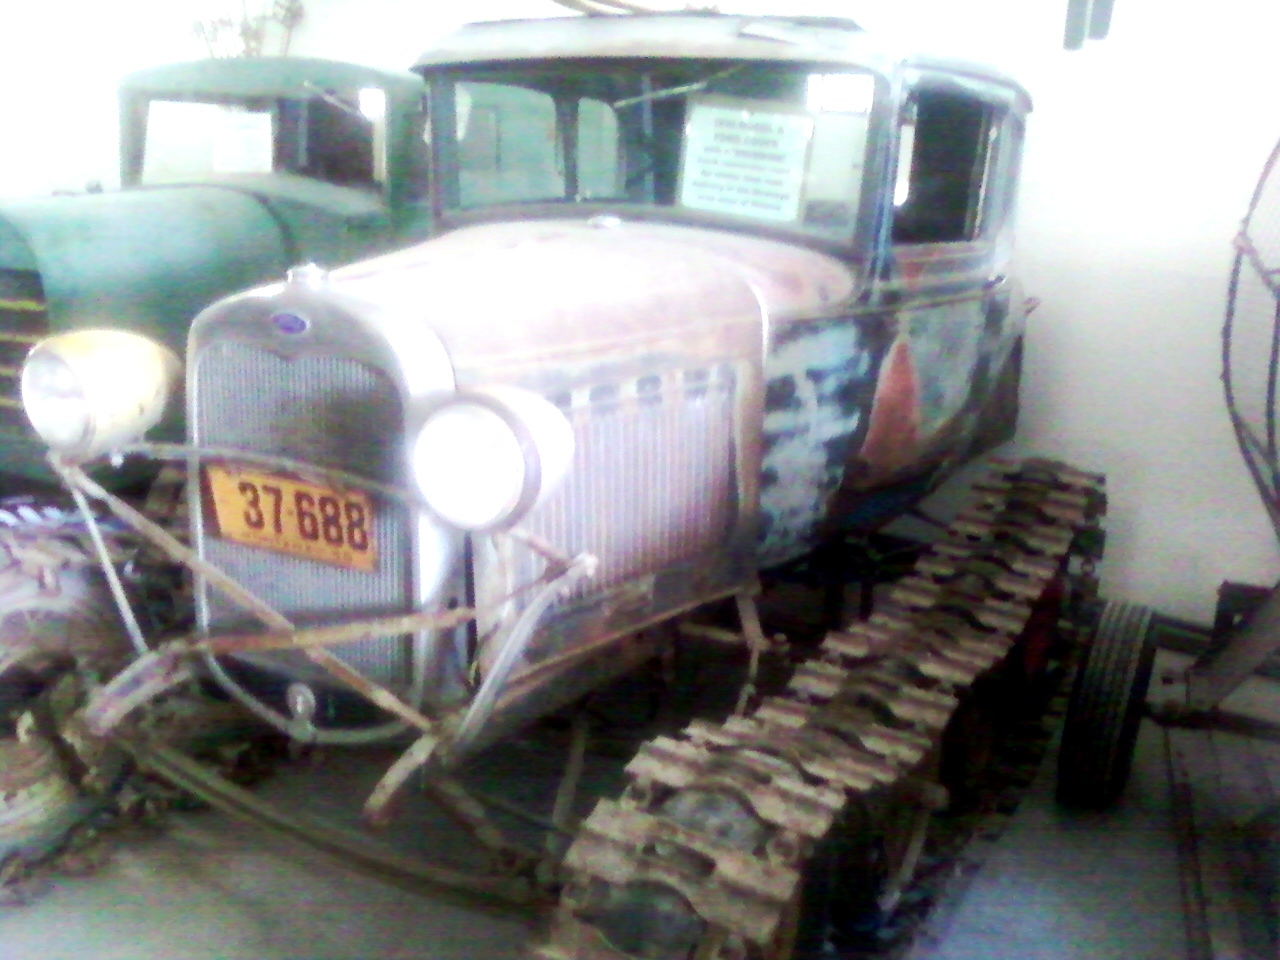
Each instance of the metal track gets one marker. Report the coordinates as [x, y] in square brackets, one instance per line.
[703, 855]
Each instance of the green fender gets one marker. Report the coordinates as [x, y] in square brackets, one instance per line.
[145, 259]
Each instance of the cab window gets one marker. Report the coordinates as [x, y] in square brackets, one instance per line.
[780, 145]
[945, 161]
[338, 138]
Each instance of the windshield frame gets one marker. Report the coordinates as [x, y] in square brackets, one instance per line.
[855, 246]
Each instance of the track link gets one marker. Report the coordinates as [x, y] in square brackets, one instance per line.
[703, 854]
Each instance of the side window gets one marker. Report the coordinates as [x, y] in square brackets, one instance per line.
[516, 144]
[329, 138]
[188, 141]
[598, 167]
[506, 144]
[335, 137]
[944, 167]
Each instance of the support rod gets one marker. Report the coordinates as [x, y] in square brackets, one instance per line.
[1214, 676]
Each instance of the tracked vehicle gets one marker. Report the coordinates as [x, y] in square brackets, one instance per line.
[705, 292]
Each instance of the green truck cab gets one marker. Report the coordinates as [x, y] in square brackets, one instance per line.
[232, 171]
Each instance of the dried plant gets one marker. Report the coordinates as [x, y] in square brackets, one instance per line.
[252, 33]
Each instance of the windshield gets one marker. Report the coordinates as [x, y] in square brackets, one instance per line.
[330, 136]
[782, 145]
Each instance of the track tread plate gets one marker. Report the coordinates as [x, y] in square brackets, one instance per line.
[860, 717]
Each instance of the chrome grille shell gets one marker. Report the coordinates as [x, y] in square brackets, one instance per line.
[653, 485]
[655, 494]
[334, 395]
[332, 412]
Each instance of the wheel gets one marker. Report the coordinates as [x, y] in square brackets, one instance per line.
[1105, 710]
[55, 615]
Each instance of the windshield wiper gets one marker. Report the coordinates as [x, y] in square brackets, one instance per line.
[333, 101]
[675, 91]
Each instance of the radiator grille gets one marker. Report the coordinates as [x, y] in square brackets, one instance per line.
[24, 319]
[332, 412]
[653, 479]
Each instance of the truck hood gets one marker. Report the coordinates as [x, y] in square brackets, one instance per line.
[513, 292]
[144, 258]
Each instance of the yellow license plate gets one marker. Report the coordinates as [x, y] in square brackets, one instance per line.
[291, 516]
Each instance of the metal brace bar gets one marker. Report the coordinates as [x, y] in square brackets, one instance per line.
[566, 793]
[1213, 677]
[75, 478]
[757, 643]
[225, 795]
[470, 813]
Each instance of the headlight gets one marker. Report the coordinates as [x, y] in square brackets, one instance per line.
[90, 391]
[483, 460]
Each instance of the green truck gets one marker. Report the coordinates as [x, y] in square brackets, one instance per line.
[232, 171]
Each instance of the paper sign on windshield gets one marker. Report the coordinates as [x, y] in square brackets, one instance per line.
[188, 141]
[744, 162]
[244, 143]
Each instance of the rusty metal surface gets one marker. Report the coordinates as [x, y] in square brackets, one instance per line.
[730, 396]
[585, 292]
[662, 35]
[1214, 677]
[859, 718]
[847, 401]
[695, 35]
[404, 713]
[820, 383]
[714, 828]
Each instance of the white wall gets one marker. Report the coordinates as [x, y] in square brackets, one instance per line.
[59, 66]
[1141, 157]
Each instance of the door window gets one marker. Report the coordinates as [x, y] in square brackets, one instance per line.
[946, 145]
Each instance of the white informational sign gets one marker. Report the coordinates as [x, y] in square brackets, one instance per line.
[743, 162]
[243, 143]
[188, 141]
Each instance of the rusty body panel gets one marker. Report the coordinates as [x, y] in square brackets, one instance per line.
[650, 338]
[728, 389]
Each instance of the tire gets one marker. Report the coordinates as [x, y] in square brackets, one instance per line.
[55, 612]
[1105, 710]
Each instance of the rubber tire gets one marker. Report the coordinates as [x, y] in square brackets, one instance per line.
[1105, 711]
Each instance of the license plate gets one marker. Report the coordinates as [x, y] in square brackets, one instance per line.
[287, 515]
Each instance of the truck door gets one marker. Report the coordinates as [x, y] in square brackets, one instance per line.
[947, 283]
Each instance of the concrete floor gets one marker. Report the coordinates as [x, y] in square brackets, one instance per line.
[212, 889]
[1069, 886]
[208, 887]
[1056, 886]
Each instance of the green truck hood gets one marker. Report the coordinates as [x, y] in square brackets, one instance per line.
[150, 258]
[146, 259]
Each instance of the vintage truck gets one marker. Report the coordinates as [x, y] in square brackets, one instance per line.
[232, 171]
[703, 293]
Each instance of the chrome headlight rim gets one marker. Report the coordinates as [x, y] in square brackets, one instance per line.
[38, 401]
[118, 382]
[531, 481]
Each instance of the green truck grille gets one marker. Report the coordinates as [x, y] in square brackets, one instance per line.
[24, 319]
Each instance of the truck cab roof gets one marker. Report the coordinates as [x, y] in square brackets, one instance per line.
[266, 77]
[689, 35]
